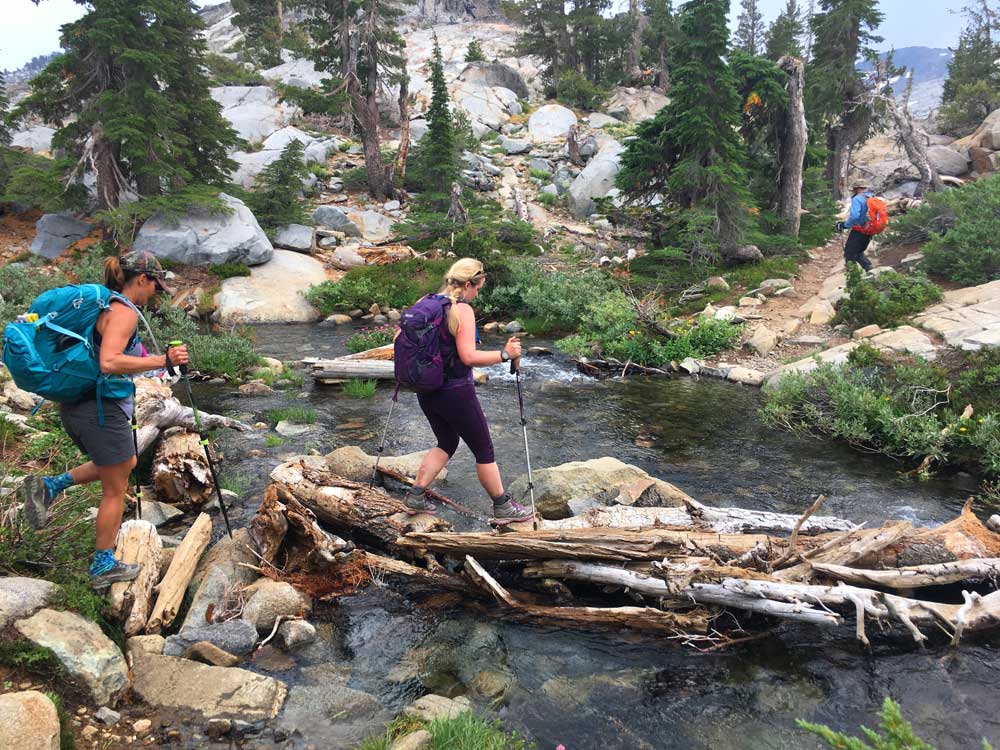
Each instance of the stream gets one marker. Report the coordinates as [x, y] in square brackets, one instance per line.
[380, 649]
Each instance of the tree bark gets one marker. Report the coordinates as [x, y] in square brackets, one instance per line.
[573, 146]
[633, 59]
[456, 211]
[399, 167]
[180, 470]
[792, 148]
[913, 139]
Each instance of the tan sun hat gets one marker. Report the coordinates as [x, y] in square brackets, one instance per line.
[860, 185]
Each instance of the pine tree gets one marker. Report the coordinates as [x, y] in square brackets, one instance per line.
[691, 151]
[837, 99]
[749, 35]
[659, 38]
[358, 43]
[474, 52]
[261, 23]
[783, 36]
[276, 200]
[437, 160]
[972, 89]
[131, 100]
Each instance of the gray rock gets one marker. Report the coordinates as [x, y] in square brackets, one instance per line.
[213, 591]
[297, 237]
[274, 292]
[88, 656]
[332, 217]
[763, 340]
[595, 180]
[588, 147]
[413, 741]
[301, 73]
[270, 600]
[948, 161]
[489, 74]
[635, 105]
[513, 146]
[28, 721]
[201, 238]
[211, 692]
[255, 112]
[158, 513]
[418, 128]
[513, 327]
[550, 190]
[291, 429]
[430, 707]
[295, 633]
[107, 716]
[54, 233]
[21, 597]
[563, 179]
[374, 227]
[550, 122]
[540, 165]
[391, 205]
[235, 636]
[144, 644]
[356, 711]
[346, 258]
[599, 120]
[38, 138]
[230, 554]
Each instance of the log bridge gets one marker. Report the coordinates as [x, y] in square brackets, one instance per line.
[667, 571]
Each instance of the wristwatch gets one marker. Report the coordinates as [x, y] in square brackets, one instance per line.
[504, 356]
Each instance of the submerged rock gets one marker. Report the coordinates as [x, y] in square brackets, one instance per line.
[270, 600]
[430, 707]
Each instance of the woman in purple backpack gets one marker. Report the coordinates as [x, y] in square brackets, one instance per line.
[453, 410]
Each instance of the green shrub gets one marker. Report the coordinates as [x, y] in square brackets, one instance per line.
[21, 283]
[611, 329]
[369, 338]
[540, 174]
[274, 441]
[547, 199]
[226, 72]
[223, 271]
[886, 299]
[276, 200]
[896, 733]
[324, 101]
[558, 301]
[355, 179]
[962, 237]
[24, 654]
[36, 182]
[902, 409]
[395, 285]
[972, 103]
[294, 414]
[359, 388]
[576, 90]
[229, 354]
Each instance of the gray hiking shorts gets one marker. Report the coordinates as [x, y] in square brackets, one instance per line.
[105, 445]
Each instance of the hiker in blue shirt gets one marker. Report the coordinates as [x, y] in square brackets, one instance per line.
[857, 242]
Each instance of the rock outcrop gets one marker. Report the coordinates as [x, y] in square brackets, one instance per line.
[202, 238]
[273, 292]
[56, 233]
[596, 180]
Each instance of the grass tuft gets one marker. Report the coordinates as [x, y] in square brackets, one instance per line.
[293, 414]
[359, 388]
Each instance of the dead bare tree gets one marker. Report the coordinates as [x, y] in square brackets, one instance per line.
[792, 148]
[912, 138]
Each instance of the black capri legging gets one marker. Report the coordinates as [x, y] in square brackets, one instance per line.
[454, 412]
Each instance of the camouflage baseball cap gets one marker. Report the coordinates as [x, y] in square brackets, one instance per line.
[140, 261]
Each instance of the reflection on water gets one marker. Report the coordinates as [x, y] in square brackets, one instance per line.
[588, 690]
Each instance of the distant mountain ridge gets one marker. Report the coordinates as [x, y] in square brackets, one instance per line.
[928, 67]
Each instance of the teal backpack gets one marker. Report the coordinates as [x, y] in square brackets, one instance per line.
[50, 350]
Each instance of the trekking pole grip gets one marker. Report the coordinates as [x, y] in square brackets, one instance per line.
[182, 368]
[515, 365]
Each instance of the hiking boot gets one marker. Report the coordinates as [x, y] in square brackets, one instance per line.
[37, 498]
[510, 511]
[419, 504]
[119, 572]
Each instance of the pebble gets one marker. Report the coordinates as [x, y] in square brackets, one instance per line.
[280, 735]
[217, 728]
[88, 732]
[142, 727]
[82, 710]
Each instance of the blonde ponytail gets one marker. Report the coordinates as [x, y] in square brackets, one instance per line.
[461, 273]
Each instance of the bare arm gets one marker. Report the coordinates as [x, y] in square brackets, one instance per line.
[465, 340]
[116, 327]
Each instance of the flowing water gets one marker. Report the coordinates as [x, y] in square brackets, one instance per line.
[594, 690]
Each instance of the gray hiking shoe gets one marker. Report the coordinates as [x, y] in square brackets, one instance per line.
[35, 495]
[510, 511]
[120, 572]
[419, 504]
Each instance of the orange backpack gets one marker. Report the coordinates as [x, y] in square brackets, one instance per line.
[878, 216]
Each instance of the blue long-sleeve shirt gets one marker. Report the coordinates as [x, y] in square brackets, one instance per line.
[859, 211]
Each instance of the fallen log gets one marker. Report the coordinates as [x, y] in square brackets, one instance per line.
[157, 410]
[345, 369]
[180, 471]
[351, 506]
[915, 576]
[171, 589]
[285, 525]
[138, 544]
[697, 516]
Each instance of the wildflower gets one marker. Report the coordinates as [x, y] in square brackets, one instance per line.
[961, 429]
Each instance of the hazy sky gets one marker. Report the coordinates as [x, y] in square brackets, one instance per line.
[27, 30]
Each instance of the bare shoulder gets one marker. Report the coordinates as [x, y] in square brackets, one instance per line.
[118, 315]
[465, 312]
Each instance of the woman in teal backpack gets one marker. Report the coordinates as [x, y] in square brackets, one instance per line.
[137, 277]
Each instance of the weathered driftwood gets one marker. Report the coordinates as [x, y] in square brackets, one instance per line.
[174, 584]
[351, 506]
[284, 525]
[138, 543]
[180, 470]
[915, 576]
[697, 516]
[641, 618]
[157, 410]
[343, 369]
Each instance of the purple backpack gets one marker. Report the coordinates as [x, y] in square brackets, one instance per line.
[419, 360]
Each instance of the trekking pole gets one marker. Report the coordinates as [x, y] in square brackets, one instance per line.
[204, 442]
[385, 432]
[135, 470]
[515, 370]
